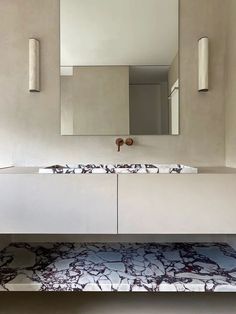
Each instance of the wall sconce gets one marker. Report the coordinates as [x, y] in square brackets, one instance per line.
[203, 64]
[34, 75]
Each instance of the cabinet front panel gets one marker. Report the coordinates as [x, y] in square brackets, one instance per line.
[177, 204]
[58, 204]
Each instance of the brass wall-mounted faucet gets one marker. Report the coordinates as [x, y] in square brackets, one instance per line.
[120, 141]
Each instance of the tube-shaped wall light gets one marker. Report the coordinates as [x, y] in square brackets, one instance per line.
[34, 75]
[203, 64]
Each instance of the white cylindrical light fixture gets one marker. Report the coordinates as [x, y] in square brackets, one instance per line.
[203, 64]
[34, 70]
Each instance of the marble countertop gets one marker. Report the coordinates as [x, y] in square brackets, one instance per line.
[195, 267]
[201, 170]
[119, 169]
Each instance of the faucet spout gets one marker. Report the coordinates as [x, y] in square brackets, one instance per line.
[119, 143]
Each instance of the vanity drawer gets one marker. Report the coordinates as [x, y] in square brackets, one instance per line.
[177, 204]
[75, 204]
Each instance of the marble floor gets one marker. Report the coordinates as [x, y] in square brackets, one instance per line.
[186, 267]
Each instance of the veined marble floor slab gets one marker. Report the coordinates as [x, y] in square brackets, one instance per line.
[195, 267]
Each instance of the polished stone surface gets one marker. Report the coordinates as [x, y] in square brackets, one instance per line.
[119, 168]
[196, 267]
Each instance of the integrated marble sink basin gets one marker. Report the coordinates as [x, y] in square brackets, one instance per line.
[119, 169]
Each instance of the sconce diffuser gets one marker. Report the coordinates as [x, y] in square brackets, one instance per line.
[203, 64]
[34, 75]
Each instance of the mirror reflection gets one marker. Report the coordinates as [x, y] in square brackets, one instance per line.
[119, 67]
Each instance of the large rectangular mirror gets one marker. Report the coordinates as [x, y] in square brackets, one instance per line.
[119, 67]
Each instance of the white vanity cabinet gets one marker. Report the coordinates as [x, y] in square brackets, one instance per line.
[203, 203]
[177, 204]
[33, 203]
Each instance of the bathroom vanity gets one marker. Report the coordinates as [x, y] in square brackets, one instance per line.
[118, 203]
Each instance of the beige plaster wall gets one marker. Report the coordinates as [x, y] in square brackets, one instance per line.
[230, 90]
[30, 122]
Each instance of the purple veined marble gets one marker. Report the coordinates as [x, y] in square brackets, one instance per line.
[187, 267]
[119, 168]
